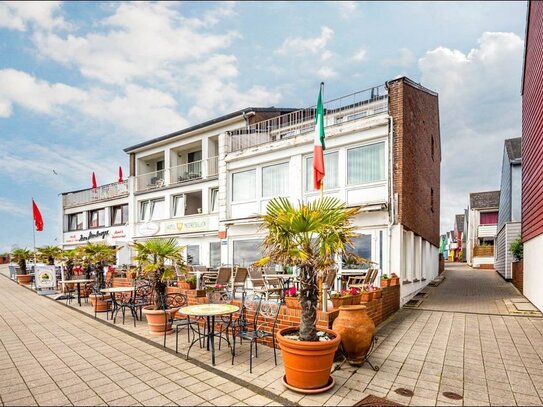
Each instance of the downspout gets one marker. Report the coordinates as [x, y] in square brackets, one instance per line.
[392, 205]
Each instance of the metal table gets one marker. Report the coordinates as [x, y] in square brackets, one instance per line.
[116, 307]
[78, 282]
[209, 311]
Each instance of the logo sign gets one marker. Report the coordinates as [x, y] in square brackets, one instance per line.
[148, 229]
[93, 235]
[45, 278]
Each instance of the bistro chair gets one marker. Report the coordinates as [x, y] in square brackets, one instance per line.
[223, 277]
[261, 285]
[265, 314]
[177, 300]
[222, 297]
[143, 294]
[239, 280]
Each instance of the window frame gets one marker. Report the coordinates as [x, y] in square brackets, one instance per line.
[89, 218]
[141, 214]
[70, 216]
[211, 209]
[199, 254]
[262, 167]
[124, 220]
[310, 170]
[255, 197]
[385, 164]
[210, 258]
[174, 199]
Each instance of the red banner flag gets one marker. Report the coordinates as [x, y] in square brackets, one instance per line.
[93, 181]
[120, 174]
[38, 220]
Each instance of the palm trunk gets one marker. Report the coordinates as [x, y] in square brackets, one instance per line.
[22, 265]
[309, 295]
[160, 291]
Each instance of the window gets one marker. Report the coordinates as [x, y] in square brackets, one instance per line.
[178, 206]
[193, 203]
[275, 180]
[489, 218]
[361, 248]
[246, 252]
[244, 186]
[152, 210]
[75, 221]
[119, 215]
[214, 200]
[331, 179]
[97, 218]
[366, 164]
[214, 254]
[193, 254]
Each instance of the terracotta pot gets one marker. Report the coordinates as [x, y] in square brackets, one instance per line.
[307, 364]
[24, 278]
[156, 320]
[377, 294]
[337, 302]
[172, 290]
[98, 304]
[356, 329]
[292, 302]
[385, 282]
[186, 286]
[355, 299]
[347, 300]
[394, 281]
[367, 296]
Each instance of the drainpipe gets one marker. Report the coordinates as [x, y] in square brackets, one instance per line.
[392, 213]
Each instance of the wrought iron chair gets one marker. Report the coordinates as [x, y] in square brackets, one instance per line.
[143, 293]
[225, 321]
[176, 300]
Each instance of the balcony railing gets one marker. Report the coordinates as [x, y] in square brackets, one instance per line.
[486, 230]
[178, 174]
[483, 251]
[356, 106]
[102, 193]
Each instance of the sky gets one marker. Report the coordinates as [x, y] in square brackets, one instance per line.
[80, 81]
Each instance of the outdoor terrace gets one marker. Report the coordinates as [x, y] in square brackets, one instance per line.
[102, 193]
[356, 106]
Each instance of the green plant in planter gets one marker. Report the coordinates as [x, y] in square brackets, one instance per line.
[20, 256]
[48, 254]
[517, 249]
[99, 255]
[308, 236]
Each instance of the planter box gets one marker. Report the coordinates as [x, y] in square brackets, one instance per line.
[292, 302]
[518, 274]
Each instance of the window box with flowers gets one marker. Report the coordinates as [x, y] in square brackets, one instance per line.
[356, 295]
[367, 295]
[291, 298]
[394, 279]
[385, 281]
[343, 297]
[377, 292]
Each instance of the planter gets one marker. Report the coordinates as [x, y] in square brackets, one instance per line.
[98, 304]
[172, 290]
[394, 281]
[355, 299]
[518, 275]
[157, 322]
[367, 296]
[377, 294]
[385, 282]
[356, 329]
[292, 302]
[186, 286]
[307, 364]
[24, 278]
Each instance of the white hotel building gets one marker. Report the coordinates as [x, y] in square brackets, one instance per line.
[206, 185]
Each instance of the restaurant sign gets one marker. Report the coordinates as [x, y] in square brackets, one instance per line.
[186, 226]
[45, 279]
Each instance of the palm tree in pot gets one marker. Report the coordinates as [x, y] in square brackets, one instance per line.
[310, 237]
[157, 259]
[48, 254]
[99, 255]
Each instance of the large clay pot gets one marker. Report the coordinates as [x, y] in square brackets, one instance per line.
[356, 329]
[156, 320]
[98, 304]
[385, 282]
[307, 364]
[24, 278]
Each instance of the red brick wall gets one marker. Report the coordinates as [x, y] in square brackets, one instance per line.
[416, 170]
[532, 125]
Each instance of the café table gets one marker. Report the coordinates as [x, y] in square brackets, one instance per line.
[116, 307]
[78, 282]
[209, 311]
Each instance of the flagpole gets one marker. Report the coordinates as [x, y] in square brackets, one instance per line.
[33, 233]
[322, 98]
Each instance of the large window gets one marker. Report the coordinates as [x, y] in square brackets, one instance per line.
[275, 180]
[331, 167]
[214, 254]
[152, 210]
[178, 206]
[244, 186]
[366, 164]
[97, 218]
[361, 248]
[75, 221]
[488, 218]
[246, 252]
[193, 254]
[119, 215]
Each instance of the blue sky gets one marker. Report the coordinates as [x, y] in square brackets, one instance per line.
[81, 81]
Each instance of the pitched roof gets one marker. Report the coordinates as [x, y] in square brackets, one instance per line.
[484, 200]
[460, 223]
[513, 148]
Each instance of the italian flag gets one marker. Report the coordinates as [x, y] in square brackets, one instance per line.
[318, 146]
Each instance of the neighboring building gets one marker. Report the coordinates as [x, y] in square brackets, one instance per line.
[97, 215]
[207, 184]
[483, 221]
[509, 216]
[532, 153]
[465, 236]
[444, 247]
[452, 245]
[459, 237]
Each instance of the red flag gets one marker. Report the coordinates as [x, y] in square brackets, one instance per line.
[120, 174]
[93, 181]
[38, 220]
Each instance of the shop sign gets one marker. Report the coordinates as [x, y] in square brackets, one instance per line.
[186, 226]
[118, 234]
[94, 235]
[45, 279]
[148, 228]
[72, 239]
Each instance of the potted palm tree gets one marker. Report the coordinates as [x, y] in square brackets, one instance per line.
[48, 254]
[309, 237]
[97, 256]
[157, 258]
[20, 256]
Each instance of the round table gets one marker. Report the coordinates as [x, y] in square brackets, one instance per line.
[116, 307]
[209, 311]
[78, 282]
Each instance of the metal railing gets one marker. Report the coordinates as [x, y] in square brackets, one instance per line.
[194, 170]
[359, 105]
[104, 192]
[151, 180]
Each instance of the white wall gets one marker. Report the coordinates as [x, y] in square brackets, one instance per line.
[533, 273]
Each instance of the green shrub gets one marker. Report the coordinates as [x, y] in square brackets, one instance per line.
[517, 249]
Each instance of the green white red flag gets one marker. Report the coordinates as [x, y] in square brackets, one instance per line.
[318, 145]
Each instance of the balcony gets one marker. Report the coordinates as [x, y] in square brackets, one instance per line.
[92, 195]
[486, 230]
[359, 105]
[179, 174]
[483, 251]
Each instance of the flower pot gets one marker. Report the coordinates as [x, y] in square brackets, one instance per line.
[377, 294]
[186, 286]
[98, 303]
[347, 300]
[337, 302]
[355, 299]
[385, 282]
[292, 302]
[24, 278]
[367, 296]
[157, 322]
[394, 281]
[356, 329]
[307, 364]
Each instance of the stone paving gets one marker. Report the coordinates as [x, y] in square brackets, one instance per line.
[488, 359]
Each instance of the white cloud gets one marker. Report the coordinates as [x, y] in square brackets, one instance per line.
[12, 208]
[313, 45]
[479, 98]
[326, 72]
[17, 15]
[360, 55]
[346, 8]
[405, 58]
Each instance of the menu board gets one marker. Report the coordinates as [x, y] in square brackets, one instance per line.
[45, 279]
